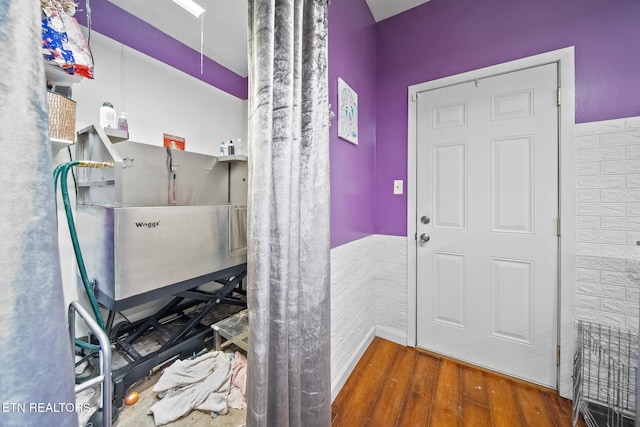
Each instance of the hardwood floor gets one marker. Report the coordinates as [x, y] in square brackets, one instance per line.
[394, 385]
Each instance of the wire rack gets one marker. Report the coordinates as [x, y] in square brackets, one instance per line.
[604, 375]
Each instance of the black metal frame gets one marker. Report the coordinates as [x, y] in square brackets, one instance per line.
[183, 343]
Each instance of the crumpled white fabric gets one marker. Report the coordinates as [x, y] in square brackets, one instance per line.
[202, 383]
[237, 395]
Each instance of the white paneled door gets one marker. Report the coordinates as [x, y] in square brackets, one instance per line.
[487, 204]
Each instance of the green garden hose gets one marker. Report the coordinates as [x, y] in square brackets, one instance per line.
[61, 173]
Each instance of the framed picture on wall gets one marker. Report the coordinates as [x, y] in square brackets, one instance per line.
[173, 142]
[347, 113]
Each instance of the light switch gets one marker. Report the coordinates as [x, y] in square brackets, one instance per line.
[398, 186]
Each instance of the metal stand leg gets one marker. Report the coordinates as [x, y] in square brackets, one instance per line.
[105, 359]
[217, 340]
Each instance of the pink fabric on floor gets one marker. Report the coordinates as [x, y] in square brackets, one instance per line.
[237, 395]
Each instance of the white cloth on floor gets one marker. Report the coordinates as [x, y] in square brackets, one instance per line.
[202, 383]
[237, 395]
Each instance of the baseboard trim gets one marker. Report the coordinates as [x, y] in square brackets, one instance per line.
[341, 379]
[390, 334]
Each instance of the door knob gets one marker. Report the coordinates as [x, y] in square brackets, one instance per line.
[424, 238]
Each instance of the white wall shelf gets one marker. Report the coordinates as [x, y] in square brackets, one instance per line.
[233, 158]
[58, 77]
[58, 144]
[116, 135]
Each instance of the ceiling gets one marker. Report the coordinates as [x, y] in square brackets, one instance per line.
[225, 27]
[224, 24]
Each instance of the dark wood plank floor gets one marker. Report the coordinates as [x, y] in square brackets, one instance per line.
[394, 385]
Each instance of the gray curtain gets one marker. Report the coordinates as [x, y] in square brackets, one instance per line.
[36, 365]
[288, 378]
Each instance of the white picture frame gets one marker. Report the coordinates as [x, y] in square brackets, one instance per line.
[347, 113]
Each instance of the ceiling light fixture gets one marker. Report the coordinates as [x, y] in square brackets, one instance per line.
[190, 6]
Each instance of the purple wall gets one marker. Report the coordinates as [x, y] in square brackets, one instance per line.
[119, 25]
[352, 57]
[447, 37]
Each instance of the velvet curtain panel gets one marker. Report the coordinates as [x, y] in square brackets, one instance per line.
[289, 374]
[36, 364]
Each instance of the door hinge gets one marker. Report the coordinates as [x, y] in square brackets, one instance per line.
[559, 225]
[414, 97]
[559, 96]
[558, 356]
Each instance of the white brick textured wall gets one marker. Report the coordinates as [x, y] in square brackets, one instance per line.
[391, 287]
[352, 305]
[368, 297]
[608, 221]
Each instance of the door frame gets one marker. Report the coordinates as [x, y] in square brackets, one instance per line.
[566, 193]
